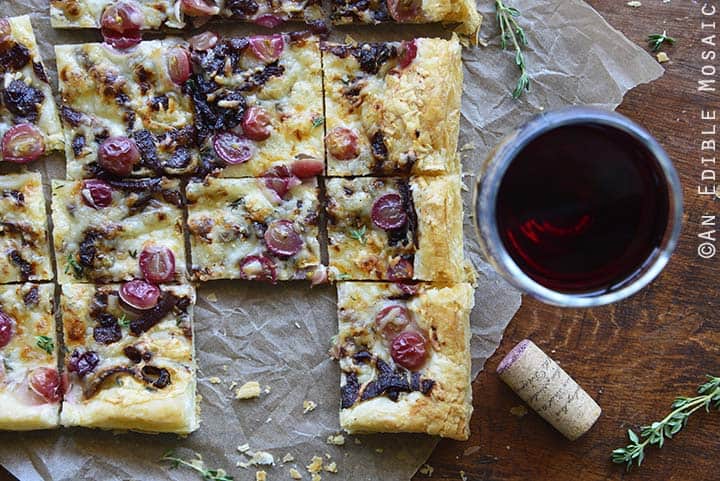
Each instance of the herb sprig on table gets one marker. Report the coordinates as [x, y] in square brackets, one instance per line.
[670, 425]
[198, 465]
[512, 33]
[656, 40]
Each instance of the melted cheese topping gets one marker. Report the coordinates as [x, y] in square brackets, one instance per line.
[24, 242]
[30, 307]
[118, 93]
[359, 249]
[416, 109]
[88, 13]
[442, 315]
[123, 400]
[306, 10]
[123, 232]
[47, 122]
[293, 101]
[227, 219]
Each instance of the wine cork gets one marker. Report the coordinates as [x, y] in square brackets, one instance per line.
[549, 390]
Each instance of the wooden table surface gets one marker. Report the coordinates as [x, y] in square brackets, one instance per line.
[633, 357]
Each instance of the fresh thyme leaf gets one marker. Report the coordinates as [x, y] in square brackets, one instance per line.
[7, 365]
[359, 234]
[124, 321]
[512, 34]
[45, 343]
[656, 40]
[198, 465]
[657, 432]
[318, 121]
[133, 253]
[237, 203]
[73, 267]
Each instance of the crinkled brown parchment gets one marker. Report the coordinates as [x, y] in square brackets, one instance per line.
[279, 335]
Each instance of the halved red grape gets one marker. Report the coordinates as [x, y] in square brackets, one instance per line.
[118, 155]
[281, 185]
[391, 320]
[5, 34]
[139, 294]
[320, 276]
[157, 264]
[204, 41]
[307, 167]
[96, 193]
[408, 52]
[267, 47]
[409, 349]
[342, 143]
[269, 20]
[281, 238]
[6, 329]
[388, 212]
[401, 270]
[232, 148]
[23, 143]
[198, 8]
[45, 382]
[178, 65]
[404, 10]
[257, 268]
[256, 123]
[121, 23]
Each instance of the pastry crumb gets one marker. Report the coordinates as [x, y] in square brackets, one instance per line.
[379, 450]
[288, 458]
[462, 476]
[336, 440]
[211, 297]
[295, 474]
[427, 470]
[261, 476]
[248, 390]
[262, 458]
[225, 368]
[268, 389]
[662, 57]
[357, 441]
[233, 385]
[243, 448]
[327, 455]
[215, 380]
[518, 411]
[297, 324]
[468, 146]
[634, 4]
[315, 465]
[331, 468]
[316, 477]
[308, 406]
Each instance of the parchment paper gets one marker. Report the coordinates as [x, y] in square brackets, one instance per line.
[279, 335]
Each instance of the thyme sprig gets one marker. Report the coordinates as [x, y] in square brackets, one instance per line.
[670, 425]
[512, 32]
[198, 465]
[45, 343]
[359, 234]
[656, 40]
[73, 266]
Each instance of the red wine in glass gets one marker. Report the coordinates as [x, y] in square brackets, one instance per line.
[579, 207]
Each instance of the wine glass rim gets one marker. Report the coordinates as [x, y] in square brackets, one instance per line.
[484, 202]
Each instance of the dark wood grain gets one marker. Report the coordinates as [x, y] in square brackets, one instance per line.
[636, 356]
[633, 357]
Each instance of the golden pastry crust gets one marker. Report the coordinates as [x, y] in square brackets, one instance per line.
[88, 13]
[115, 236]
[145, 377]
[107, 93]
[443, 313]
[30, 306]
[285, 86]
[24, 240]
[33, 75]
[439, 207]
[227, 220]
[405, 117]
[463, 12]
[428, 247]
